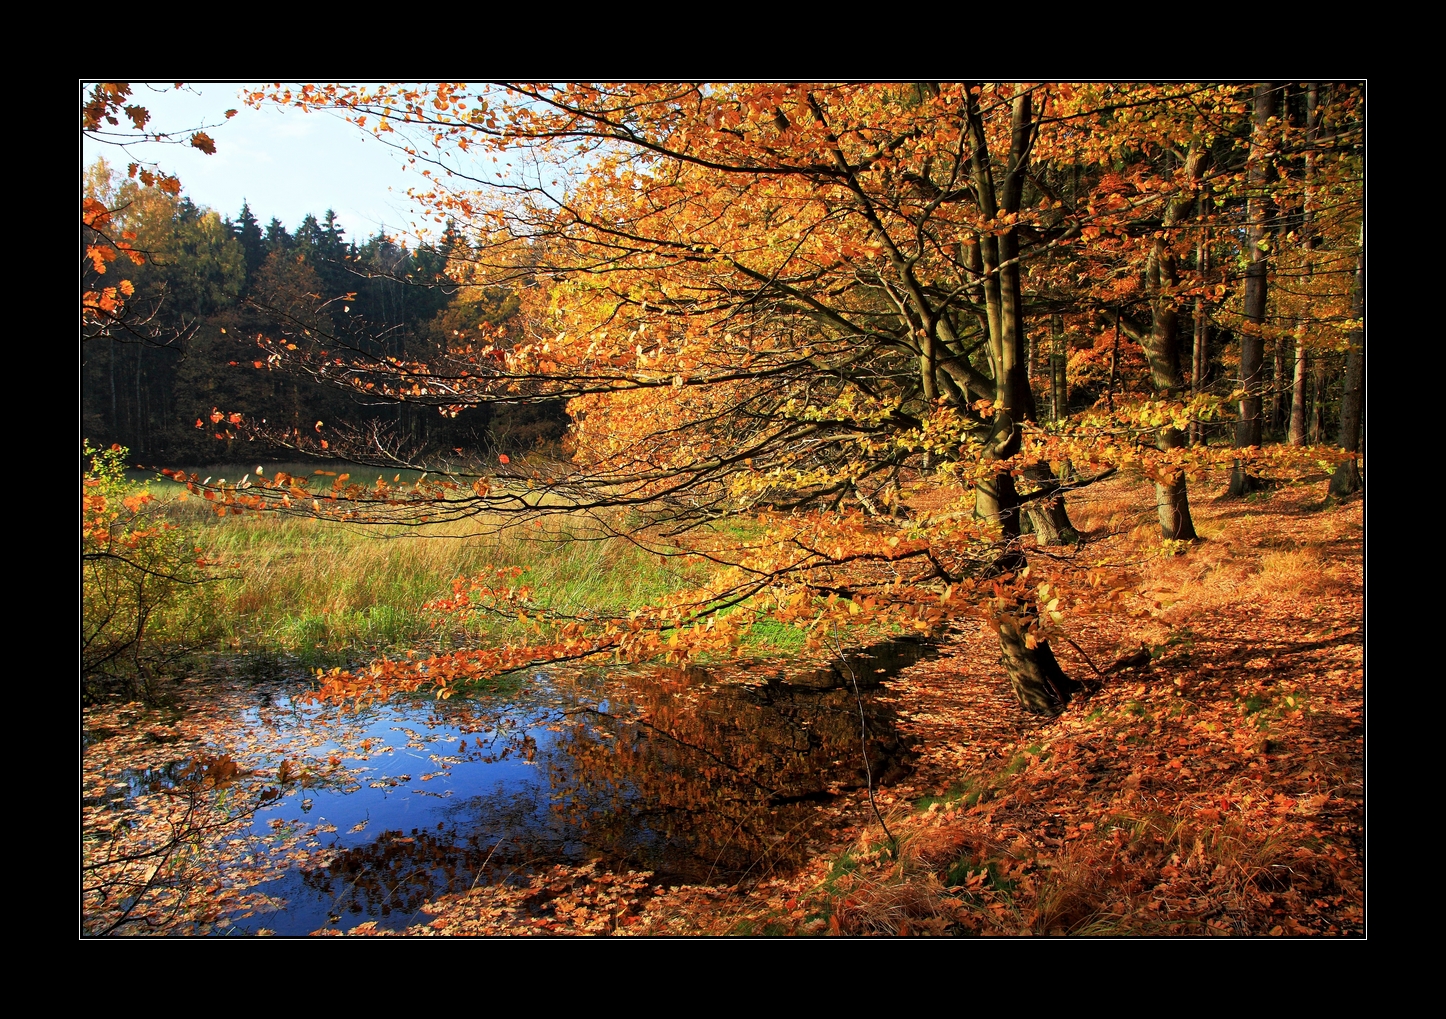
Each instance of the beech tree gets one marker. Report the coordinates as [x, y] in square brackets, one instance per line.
[783, 299]
[1301, 194]
[1252, 343]
[822, 271]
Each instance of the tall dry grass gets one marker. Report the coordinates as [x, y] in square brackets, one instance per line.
[319, 589]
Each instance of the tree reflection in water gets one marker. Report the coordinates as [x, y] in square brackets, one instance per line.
[715, 781]
[697, 775]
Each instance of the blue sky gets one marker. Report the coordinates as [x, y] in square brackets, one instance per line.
[286, 163]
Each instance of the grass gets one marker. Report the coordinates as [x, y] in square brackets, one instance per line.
[320, 476]
[772, 637]
[325, 591]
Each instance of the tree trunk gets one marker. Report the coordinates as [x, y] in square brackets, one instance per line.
[1018, 396]
[114, 415]
[1162, 344]
[1059, 394]
[1172, 500]
[1048, 518]
[1252, 342]
[138, 443]
[1278, 388]
[1114, 365]
[1034, 673]
[1049, 521]
[1298, 403]
[1317, 412]
[995, 497]
[1200, 353]
[1347, 478]
[1297, 396]
[1162, 348]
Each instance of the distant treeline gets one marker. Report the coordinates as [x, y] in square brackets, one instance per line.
[208, 286]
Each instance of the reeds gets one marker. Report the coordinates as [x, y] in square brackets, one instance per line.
[316, 588]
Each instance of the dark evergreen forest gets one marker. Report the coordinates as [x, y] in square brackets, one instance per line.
[208, 285]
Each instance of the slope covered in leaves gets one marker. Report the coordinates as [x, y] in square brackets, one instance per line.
[1211, 786]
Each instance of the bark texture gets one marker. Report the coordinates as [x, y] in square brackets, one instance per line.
[1058, 388]
[1296, 436]
[1347, 478]
[1163, 347]
[1200, 349]
[1034, 673]
[1172, 500]
[1299, 405]
[1047, 515]
[1252, 343]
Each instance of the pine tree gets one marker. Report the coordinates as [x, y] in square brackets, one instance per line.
[247, 232]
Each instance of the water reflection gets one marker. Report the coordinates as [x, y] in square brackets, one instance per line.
[699, 775]
[708, 781]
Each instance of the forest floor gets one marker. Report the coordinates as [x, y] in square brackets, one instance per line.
[1216, 787]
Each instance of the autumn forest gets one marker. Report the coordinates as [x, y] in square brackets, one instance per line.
[767, 509]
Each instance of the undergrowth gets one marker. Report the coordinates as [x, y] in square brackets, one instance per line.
[1214, 789]
[323, 592]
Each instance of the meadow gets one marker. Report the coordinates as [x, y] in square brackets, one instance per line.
[326, 592]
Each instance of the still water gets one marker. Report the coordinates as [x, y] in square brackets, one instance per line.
[698, 775]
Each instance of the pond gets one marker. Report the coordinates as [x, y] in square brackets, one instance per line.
[698, 775]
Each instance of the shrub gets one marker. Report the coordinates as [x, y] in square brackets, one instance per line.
[141, 608]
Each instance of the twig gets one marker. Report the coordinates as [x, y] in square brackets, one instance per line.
[1088, 660]
[864, 747]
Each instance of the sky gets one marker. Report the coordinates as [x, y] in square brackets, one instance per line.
[285, 163]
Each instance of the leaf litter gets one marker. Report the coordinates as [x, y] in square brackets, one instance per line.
[1212, 786]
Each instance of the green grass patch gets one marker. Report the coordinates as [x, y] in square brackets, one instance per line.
[965, 790]
[769, 635]
[760, 928]
[1016, 764]
[326, 593]
[1255, 702]
[846, 863]
[315, 589]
